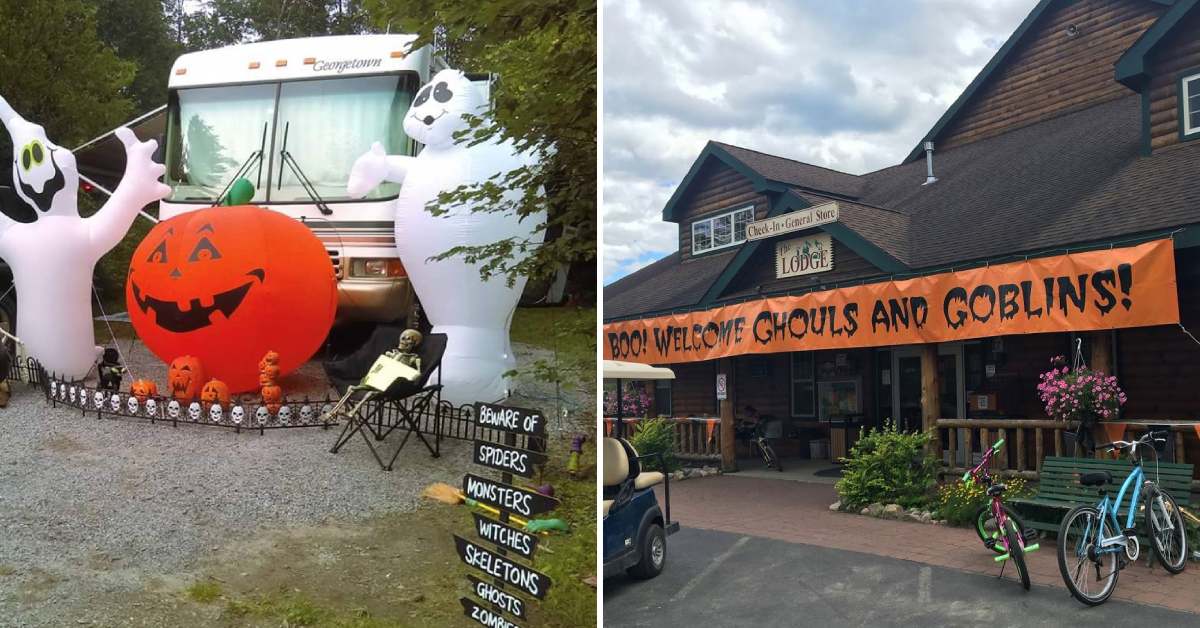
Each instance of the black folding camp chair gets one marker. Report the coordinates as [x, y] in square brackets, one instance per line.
[400, 406]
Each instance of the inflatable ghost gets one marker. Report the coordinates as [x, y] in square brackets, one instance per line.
[473, 313]
[52, 258]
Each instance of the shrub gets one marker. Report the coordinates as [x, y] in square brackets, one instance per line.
[653, 436]
[887, 465]
[958, 501]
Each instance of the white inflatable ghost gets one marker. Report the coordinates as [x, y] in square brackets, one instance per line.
[52, 258]
[473, 313]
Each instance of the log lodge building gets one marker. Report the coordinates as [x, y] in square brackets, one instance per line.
[1051, 207]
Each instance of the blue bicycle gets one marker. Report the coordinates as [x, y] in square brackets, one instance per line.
[1091, 541]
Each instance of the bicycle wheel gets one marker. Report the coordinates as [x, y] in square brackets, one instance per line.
[1016, 552]
[773, 459]
[1090, 576]
[1170, 542]
[985, 526]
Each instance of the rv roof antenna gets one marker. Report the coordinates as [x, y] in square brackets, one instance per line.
[929, 178]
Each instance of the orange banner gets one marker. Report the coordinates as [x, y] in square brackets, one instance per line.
[1107, 289]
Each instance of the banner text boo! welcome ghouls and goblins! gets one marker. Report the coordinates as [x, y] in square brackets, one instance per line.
[1105, 289]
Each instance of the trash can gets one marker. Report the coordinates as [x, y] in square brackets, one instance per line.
[819, 448]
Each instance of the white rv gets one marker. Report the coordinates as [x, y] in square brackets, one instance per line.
[291, 116]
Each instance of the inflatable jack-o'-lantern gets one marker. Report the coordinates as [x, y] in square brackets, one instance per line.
[215, 391]
[227, 284]
[184, 378]
[143, 389]
[272, 397]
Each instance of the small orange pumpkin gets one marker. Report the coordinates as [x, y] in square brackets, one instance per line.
[143, 389]
[185, 377]
[272, 397]
[215, 391]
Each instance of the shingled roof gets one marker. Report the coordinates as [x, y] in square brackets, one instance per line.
[1070, 180]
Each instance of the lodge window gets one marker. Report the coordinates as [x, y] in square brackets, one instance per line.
[662, 397]
[804, 386]
[721, 231]
[1189, 111]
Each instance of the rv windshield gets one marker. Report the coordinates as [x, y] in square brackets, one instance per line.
[324, 124]
[213, 131]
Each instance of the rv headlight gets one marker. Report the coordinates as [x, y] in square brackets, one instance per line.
[378, 267]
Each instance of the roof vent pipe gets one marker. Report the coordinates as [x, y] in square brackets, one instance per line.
[929, 178]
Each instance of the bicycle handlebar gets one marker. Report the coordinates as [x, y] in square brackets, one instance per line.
[996, 447]
[1158, 436]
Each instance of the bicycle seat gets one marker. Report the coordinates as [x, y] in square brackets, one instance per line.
[1095, 478]
[995, 490]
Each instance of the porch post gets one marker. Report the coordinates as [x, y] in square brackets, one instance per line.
[728, 452]
[931, 405]
[1101, 343]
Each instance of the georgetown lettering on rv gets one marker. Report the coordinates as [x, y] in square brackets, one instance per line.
[341, 65]
[506, 497]
[496, 596]
[507, 459]
[516, 420]
[483, 616]
[534, 583]
[506, 537]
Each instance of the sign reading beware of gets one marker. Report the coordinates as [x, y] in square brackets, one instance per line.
[792, 221]
[493, 594]
[515, 420]
[507, 459]
[507, 497]
[484, 616]
[532, 582]
[506, 537]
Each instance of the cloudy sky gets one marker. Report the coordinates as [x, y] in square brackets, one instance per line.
[850, 84]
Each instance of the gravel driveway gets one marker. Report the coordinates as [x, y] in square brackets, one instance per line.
[90, 508]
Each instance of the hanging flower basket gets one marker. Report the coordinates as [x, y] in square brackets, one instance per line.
[1079, 394]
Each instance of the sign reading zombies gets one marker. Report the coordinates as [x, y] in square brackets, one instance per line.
[804, 256]
[484, 616]
[1108, 289]
[508, 459]
[792, 221]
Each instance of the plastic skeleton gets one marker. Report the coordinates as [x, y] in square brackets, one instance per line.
[52, 258]
[404, 354]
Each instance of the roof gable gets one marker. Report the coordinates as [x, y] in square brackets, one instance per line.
[713, 150]
[1131, 68]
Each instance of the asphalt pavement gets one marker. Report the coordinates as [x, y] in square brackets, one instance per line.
[715, 579]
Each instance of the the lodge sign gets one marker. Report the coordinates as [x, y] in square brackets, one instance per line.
[803, 256]
[1105, 289]
[792, 221]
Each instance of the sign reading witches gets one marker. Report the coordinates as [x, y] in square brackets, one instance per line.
[1108, 289]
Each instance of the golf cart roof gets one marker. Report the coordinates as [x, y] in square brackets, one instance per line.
[616, 369]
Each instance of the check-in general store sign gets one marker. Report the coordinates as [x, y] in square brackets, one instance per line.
[1107, 289]
[792, 221]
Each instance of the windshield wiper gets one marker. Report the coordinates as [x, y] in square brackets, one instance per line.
[255, 157]
[300, 176]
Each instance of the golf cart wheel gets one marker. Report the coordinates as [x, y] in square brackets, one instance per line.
[654, 554]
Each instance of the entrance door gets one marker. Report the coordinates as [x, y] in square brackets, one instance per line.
[906, 394]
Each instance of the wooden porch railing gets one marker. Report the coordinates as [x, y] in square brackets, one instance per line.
[1026, 443]
[697, 438]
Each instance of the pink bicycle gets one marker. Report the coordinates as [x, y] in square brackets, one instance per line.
[997, 525]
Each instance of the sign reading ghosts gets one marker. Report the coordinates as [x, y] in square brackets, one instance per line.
[227, 284]
[474, 313]
[52, 258]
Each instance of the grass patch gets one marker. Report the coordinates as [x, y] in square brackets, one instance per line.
[569, 332]
[7, 570]
[204, 591]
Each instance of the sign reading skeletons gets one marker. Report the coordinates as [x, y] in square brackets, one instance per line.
[52, 258]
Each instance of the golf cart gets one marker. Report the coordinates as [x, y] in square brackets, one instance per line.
[635, 529]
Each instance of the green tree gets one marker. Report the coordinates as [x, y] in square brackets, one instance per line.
[544, 100]
[224, 22]
[149, 45]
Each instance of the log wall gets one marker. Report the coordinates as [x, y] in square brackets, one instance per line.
[1175, 56]
[716, 190]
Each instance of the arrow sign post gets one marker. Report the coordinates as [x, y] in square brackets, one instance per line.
[502, 496]
[525, 579]
[506, 537]
[498, 598]
[507, 459]
[512, 420]
[484, 616]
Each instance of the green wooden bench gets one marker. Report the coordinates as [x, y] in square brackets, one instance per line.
[1059, 489]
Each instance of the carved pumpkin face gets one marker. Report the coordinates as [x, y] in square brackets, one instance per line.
[267, 375]
[229, 284]
[215, 391]
[184, 378]
[143, 389]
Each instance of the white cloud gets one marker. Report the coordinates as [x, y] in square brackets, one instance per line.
[847, 85]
